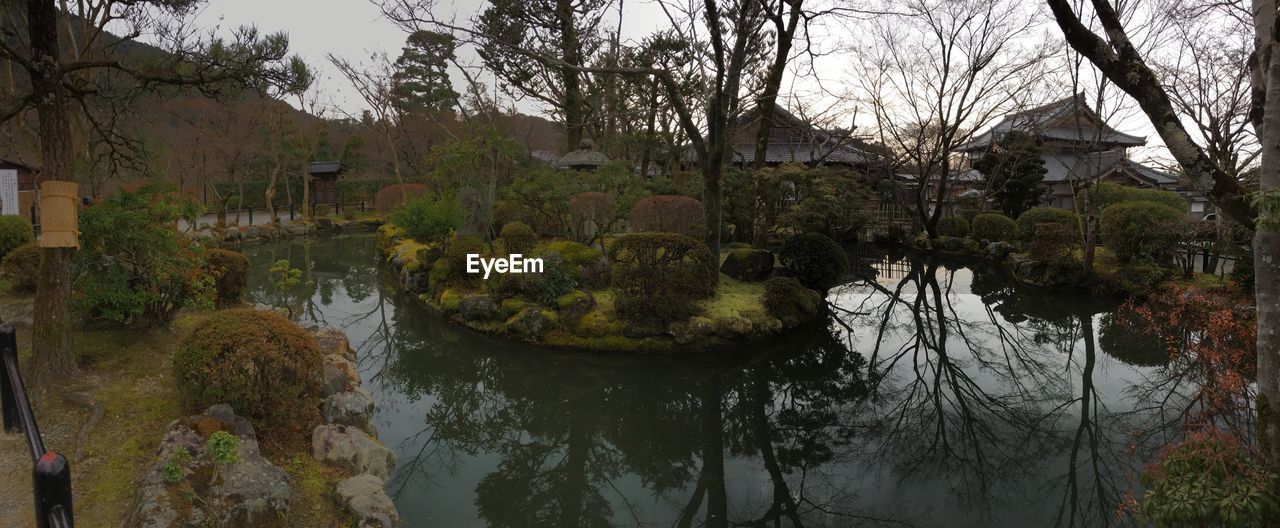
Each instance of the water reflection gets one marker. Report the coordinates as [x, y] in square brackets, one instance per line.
[934, 395]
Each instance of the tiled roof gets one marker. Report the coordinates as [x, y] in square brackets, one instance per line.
[1064, 167]
[801, 152]
[1054, 121]
[325, 167]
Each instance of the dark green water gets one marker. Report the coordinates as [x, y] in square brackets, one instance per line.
[936, 395]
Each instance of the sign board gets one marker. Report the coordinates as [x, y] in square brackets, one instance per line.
[9, 192]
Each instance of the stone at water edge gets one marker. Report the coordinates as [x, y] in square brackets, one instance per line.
[338, 375]
[353, 407]
[334, 341]
[366, 498]
[351, 449]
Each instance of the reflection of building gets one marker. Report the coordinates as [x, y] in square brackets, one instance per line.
[1078, 145]
[26, 184]
[324, 182]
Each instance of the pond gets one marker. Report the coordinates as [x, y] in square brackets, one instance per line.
[934, 395]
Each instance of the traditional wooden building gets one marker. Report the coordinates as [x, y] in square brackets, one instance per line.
[324, 182]
[794, 140]
[27, 180]
[1079, 145]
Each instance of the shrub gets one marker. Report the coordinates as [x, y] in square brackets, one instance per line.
[789, 301]
[573, 253]
[393, 196]
[518, 237]
[1141, 231]
[451, 268]
[135, 266]
[263, 365]
[994, 227]
[1052, 243]
[230, 272]
[658, 276]
[953, 226]
[813, 259]
[1028, 220]
[21, 267]
[322, 209]
[1209, 479]
[668, 214]
[427, 219]
[1109, 193]
[15, 230]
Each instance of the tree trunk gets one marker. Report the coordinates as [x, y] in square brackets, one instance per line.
[52, 352]
[713, 455]
[1266, 259]
[574, 118]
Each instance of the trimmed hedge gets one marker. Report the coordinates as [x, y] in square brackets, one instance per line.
[262, 364]
[21, 267]
[657, 277]
[1109, 193]
[668, 214]
[230, 271]
[1142, 231]
[15, 230]
[994, 227]
[518, 237]
[789, 301]
[1028, 220]
[813, 259]
[953, 226]
[573, 253]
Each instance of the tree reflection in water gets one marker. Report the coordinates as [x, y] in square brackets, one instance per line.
[933, 395]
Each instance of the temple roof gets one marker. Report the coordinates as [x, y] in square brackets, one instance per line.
[1068, 119]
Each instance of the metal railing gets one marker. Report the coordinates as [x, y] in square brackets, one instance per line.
[51, 474]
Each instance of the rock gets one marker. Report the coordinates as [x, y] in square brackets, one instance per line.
[353, 407]
[353, 450]
[952, 244]
[733, 327]
[334, 341]
[575, 303]
[748, 264]
[532, 321]
[339, 375]
[479, 308]
[251, 492]
[324, 222]
[366, 498]
[691, 331]
[415, 279]
[252, 231]
[999, 250]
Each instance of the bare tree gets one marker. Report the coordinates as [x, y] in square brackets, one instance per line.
[937, 72]
[375, 83]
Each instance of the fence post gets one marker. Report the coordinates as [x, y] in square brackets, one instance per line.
[8, 403]
[250, 216]
[52, 481]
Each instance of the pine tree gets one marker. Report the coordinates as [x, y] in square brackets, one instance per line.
[1015, 171]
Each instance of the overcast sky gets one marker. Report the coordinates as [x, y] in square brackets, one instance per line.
[355, 29]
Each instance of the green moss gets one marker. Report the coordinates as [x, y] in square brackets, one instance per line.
[513, 306]
[573, 298]
[574, 253]
[450, 300]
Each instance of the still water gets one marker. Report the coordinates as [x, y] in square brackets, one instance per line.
[935, 395]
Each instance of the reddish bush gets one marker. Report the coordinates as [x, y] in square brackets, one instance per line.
[668, 214]
[391, 196]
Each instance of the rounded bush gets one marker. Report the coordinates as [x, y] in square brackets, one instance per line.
[573, 253]
[1028, 220]
[230, 272]
[518, 237]
[322, 209]
[658, 276]
[21, 267]
[1052, 243]
[262, 364]
[1141, 230]
[1109, 193]
[813, 259]
[15, 230]
[392, 196]
[668, 214]
[994, 227]
[953, 226]
[789, 301]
